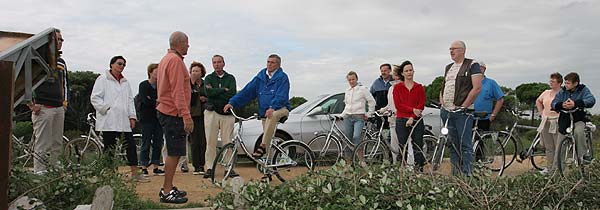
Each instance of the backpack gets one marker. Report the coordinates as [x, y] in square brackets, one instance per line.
[137, 101]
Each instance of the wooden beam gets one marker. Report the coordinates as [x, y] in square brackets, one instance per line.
[7, 70]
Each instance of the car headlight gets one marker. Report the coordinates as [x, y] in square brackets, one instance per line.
[444, 131]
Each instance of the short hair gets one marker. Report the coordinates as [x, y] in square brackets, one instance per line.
[218, 56]
[151, 68]
[557, 76]
[399, 69]
[176, 37]
[198, 64]
[277, 57]
[572, 77]
[352, 73]
[463, 45]
[114, 59]
[385, 64]
[57, 30]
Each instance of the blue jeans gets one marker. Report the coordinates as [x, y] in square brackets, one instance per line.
[459, 141]
[353, 125]
[152, 136]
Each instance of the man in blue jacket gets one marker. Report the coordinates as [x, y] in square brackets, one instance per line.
[574, 96]
[272, 88]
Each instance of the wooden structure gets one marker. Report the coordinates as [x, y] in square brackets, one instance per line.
[25, 60]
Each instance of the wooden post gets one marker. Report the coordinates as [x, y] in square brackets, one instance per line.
[7, 70]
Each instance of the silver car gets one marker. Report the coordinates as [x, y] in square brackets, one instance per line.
[308, 119]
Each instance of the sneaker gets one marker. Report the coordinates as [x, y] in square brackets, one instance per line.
[184, 168]
[158, 172]
[145, 172]
[140, 178]
[232, 174]
[180, 193]
[208, 174]
[198, 171]
[171, 197]
[545, 172]
[587, 159]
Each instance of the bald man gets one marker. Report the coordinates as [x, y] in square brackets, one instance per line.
[462, 84]
[174, 96]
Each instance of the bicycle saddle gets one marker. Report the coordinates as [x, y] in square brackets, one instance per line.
[283, 119]
[480, 114]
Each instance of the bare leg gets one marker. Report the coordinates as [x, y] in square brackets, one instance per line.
[170, 166]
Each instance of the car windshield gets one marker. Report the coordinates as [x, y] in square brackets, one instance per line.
[306, 105]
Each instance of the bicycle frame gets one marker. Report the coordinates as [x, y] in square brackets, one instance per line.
[238, 142]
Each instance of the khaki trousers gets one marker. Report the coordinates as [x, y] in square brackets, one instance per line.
[48, 128]
[213, 122]
[269, 125]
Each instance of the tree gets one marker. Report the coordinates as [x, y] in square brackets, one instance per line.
[527, 94]
[432, 91]
[297, 101]
[80, 89]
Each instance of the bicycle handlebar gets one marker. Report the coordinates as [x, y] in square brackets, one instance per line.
[255, 116]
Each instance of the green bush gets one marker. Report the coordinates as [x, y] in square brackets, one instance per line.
[23, 129]
[387, 187]
[66, 186]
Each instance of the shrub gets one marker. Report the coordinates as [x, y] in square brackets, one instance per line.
[387, 187]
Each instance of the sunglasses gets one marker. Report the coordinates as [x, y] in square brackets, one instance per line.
[121, 64]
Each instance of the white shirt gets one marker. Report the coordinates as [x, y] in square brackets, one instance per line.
[391, 107]
[450, 86]
[356, 98]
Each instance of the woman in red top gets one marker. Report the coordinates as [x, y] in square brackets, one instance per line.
[409, 99]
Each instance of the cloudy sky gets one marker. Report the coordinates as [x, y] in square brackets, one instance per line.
[320, 41]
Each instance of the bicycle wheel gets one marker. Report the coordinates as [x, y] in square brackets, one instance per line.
[82, 151]
[537, 150]
[589, 147]
[438, 153]
[492, 153]
[510, 147]
[370, 152]
[326, 152]
[566, 155]
[429, 143]
[291, 159]
[224, 163]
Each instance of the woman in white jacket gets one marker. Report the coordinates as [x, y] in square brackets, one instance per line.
[115, 112]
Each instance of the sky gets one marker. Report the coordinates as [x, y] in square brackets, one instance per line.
[321, 41]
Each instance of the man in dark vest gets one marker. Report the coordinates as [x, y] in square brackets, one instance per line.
[462, 84]
[48, 113]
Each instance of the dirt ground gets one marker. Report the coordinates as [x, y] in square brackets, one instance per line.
[199, 189]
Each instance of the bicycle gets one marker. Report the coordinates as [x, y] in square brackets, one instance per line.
[289, 158]
[87, 149]
[328, 146]
[376, 150]
[511, 142]
[442, 140]
[567, 150]
[491, 155]
[27, 150]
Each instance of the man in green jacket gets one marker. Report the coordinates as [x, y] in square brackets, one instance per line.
[219, 87]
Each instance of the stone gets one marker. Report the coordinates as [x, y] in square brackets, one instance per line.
[103, 199]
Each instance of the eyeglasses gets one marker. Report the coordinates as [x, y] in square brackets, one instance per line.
[121, 64]
[455, 48]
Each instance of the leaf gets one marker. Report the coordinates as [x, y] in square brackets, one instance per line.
[364, 181]
[398, 203]
[451, 194]
[362, 198]
[409, 207]
[381, 189]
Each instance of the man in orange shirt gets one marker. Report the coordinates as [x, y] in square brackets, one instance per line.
[174, 95]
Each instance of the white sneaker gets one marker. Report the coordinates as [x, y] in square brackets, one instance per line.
[545, 171]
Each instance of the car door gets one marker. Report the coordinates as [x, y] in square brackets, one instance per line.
[318, 123]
